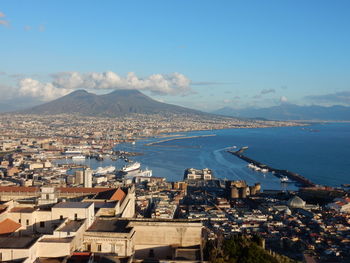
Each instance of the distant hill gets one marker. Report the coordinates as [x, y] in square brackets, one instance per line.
[290, 112]
[17, 104]
[116, 103]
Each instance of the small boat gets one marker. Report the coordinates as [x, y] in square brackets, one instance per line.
[284, 179]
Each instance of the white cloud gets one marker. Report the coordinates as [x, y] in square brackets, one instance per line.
[3, 21]
[341, 97]
[267, 91]
[42, 28]
[66, 82]
[27, 28]
[44, 91]
[283, 99]
[171, 84]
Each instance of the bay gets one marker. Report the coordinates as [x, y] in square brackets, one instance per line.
[319, 152]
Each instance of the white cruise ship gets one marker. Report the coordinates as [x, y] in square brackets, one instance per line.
[104, 170]
[131, 167]
[139, 173]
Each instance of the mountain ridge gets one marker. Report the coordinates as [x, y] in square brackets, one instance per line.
[288, 111]
[115, 103]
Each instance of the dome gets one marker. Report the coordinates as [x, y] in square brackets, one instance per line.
[296, 202]
[287, 211]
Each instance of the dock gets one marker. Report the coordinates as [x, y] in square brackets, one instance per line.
[278, 172]
[179, 138]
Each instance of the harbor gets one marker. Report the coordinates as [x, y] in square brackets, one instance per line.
[277, 172]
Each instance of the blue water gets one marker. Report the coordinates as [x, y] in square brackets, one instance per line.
[319, 152]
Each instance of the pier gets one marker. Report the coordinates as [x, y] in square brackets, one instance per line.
[179, 138]
[292, 176]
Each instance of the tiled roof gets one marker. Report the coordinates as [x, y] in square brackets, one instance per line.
[18, 189]
[22, 210]
[112, 194]
[8, 226]
[82, 190]
[118, 195]
[22, 189]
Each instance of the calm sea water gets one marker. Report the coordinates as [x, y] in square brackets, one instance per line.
[319, 152]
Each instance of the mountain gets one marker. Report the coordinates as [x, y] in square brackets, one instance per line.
[288, 111]
[17, 104]
[116, 103]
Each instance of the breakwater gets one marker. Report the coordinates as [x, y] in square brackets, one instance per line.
[179, 138]
[278, 172]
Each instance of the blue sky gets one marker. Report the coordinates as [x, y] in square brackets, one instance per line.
[224, 53]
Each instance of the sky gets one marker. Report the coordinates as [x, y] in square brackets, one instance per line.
[195, 53]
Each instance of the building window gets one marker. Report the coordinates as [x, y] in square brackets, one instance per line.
[27, 222]
[112, 248]
[75, 216]
[88, 247]
[42, 224]
[99, 247]
[61, 217]
[19, 220]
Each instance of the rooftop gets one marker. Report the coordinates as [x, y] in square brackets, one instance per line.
[112, 194]
[8, 226]
[57, 240]
[22, 210]
[72, 226]
[110, 225]
[17, 242]
[73, 205]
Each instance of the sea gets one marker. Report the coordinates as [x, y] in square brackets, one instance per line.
[319, 152]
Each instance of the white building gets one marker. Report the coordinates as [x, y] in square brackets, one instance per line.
[88, 178]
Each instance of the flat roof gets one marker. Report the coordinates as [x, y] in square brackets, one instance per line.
[17, 242]
[19, 209]
[73, 205]
[110, 225]
[72, 226]
[102, 204]
[57, 240]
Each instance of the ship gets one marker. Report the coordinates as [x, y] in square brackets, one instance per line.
[284, 179]
[78, 157]
[138, 173]
[131, 167]
[104, 170]
[70, 152]
[257, 168]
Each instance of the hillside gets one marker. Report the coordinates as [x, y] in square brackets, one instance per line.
[116, 103]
